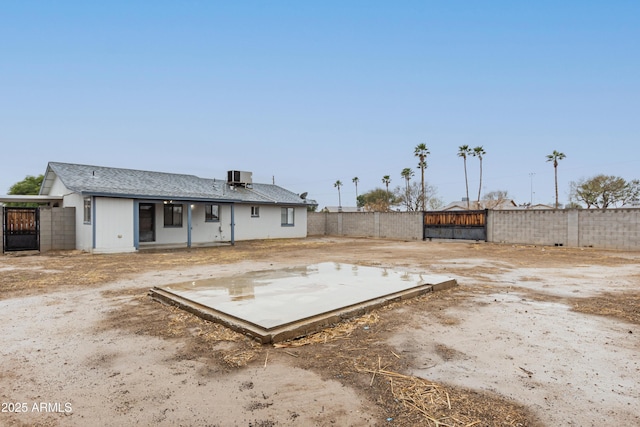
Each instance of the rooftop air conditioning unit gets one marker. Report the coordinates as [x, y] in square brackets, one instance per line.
[239, 177]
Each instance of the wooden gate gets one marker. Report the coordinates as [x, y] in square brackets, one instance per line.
[467, 225]
[21, 229]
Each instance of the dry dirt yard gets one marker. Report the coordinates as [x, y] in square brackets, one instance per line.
[532, 336]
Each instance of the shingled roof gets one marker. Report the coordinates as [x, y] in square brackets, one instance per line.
[132, 183]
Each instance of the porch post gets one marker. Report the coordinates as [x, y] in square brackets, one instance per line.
[136, 224]
[188, 225]
[94, 208]
[233, 225]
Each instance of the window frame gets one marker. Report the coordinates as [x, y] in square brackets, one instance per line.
[287, 217]
[173, 209]
[86, 209]
[208, 213]
[255, 211]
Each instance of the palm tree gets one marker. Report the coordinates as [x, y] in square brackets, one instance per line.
[554, 157]
[386, 180]
[421, 152]
[338, 184]
[464, 151]
[356, 180]
[407, 174]
[479, 152]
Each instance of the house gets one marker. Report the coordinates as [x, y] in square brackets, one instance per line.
[124, 210]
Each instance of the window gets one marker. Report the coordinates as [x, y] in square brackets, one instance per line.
[255, 211]
[287, 215]
[172, 215]
[212, 213]
[87, 210]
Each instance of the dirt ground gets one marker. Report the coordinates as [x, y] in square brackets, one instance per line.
[532, 336]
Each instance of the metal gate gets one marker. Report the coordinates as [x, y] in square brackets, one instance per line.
[21, 229]
[467, 225]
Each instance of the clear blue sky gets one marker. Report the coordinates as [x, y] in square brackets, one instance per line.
[315, 91]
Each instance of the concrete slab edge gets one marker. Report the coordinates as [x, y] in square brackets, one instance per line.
[295, 329]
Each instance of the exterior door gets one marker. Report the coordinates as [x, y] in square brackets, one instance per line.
[21, 229]
[147, 217]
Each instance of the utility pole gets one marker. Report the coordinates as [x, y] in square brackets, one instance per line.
[531, 175]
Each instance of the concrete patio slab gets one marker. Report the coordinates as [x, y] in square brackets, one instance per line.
[276, 305]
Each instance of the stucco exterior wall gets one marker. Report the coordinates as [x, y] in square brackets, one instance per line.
[266, 226]
[269, 224]
[170, 234]
[84, 231]
[213, 231]
[113, 225]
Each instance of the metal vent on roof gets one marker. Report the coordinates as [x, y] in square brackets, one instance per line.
[239, 177]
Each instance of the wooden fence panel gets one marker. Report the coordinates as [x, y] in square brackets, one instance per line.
[470, 225]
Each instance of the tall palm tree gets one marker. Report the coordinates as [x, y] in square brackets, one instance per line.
[407, 174]
[386, 180]
[356, 180]
[421, 152]
[479, 152]
[338, 184]
[554, 157]
[465, 151]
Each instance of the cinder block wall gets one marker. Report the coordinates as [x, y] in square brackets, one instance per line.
[362, 224]
[316, 223]
[538, 227]
[610, 228]
[401, 225]
[393, 225]
[46, 230]
[57, 229]
[68, 242]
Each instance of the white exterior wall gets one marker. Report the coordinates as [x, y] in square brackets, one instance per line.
[84, 232]
[268, 224]
[206, 232]
[170, 235]
[114, 225]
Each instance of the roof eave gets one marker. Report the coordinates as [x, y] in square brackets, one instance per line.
[156, 197]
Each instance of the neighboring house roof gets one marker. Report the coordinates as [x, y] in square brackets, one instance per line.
[342, 209]
[484, 204]
[132, 183]
[540, 206]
